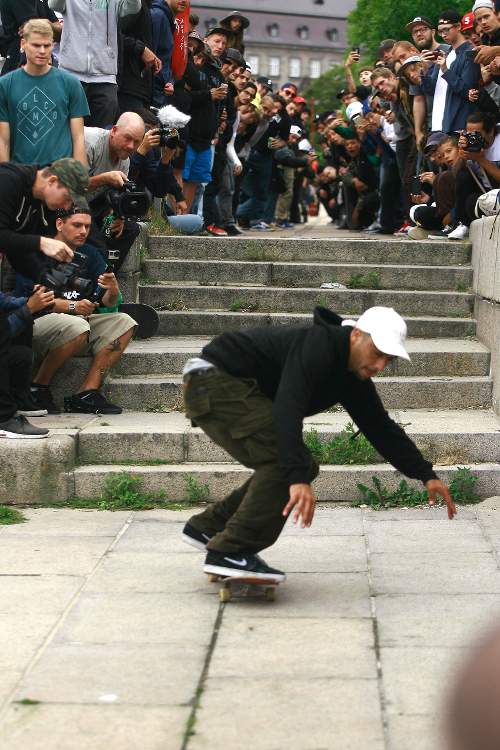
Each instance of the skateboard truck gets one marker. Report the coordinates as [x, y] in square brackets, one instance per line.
[244, 587]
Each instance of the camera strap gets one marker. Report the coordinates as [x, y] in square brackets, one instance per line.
[106, 225]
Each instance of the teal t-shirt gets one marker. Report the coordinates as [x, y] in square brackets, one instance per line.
[38, 110]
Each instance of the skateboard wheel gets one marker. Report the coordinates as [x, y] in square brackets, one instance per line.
[270, 595]
[213, 577]
[225, 595]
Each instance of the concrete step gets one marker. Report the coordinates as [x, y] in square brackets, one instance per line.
[163, 392]
[290, 274]
[210, 323]
[428, 357]
[344, 301]
[334, 483]
[443, 436]
[340, 250]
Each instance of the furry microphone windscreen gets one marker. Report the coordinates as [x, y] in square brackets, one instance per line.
[170, 117]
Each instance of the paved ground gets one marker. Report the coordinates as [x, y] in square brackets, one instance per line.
[108, 623]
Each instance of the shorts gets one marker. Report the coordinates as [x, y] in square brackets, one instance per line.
[57, 329]
[198, 165]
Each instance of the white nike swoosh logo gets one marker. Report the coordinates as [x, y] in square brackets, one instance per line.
[240, 563]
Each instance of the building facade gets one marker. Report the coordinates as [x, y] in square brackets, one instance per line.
[285, 42]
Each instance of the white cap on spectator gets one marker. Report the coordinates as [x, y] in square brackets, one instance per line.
[483, 4]
[295, 130]
[354, 108]
[387, 329]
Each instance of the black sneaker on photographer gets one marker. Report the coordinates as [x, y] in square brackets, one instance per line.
[42, 397]
[241, 565]
[90, 402]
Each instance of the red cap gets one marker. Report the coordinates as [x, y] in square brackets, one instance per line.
[299, 100]
[467, 22]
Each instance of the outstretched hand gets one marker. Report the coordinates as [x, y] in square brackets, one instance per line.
[437, 487]
[303, 500]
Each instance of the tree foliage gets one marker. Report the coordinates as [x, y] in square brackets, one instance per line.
[324, 89]
[374, 20]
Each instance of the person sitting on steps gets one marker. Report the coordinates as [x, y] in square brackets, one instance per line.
[79, 326]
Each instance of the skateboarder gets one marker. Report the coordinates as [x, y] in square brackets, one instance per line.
[250, 391]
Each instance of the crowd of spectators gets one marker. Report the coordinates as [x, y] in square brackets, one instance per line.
[101, 98]
[416, 143]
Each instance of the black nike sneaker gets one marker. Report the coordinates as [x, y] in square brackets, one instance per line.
[241, 564]
[195, 538]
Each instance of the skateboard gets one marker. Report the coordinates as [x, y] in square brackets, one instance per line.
[147, 319]
[244, 587]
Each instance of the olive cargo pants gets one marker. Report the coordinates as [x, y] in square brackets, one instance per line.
[237, 416]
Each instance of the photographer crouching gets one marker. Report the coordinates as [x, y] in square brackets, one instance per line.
[479, 148]
[115, 205]
[151, 167]
[83, 319]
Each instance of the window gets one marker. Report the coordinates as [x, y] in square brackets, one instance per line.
[314, 68]
[253, 61]
[274, 66]
[210, 23]
[303, 32]
[333, 35]
[273, 30]
[294, 67]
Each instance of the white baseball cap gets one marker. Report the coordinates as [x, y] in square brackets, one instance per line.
[295, 130]
[354, 108]
[387, 329]
[483, 4]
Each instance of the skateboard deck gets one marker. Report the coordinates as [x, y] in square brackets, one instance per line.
[242, 587]
[147, 319]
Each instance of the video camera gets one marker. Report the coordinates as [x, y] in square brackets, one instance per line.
[68, 277]
[171, 120]
[169, 137]
[65, 277]
[128, 202]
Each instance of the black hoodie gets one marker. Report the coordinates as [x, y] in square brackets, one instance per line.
[304, 371]
[22, 218]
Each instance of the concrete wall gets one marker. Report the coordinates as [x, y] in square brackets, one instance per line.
[485, 238]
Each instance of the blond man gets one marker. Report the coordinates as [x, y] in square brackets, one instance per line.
[41, 107]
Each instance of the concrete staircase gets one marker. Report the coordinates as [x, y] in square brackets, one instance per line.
[202, 287]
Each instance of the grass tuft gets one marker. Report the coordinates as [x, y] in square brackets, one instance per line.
[10, 516]
[348, 447]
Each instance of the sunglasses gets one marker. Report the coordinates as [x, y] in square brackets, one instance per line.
[289, 92]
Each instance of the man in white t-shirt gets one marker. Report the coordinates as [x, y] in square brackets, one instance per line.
[108, 156]
[457, 74]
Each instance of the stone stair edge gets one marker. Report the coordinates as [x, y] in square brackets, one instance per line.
[162, 239]
[313, 263]
[334, 483]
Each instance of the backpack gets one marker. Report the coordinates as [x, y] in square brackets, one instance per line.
[488, 204]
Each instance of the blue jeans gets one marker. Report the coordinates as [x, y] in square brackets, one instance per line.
[186, 223]
[256, 187]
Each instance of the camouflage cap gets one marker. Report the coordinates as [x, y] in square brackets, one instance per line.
[74, 176]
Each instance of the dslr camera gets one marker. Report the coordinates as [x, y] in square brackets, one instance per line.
[169, 137]
[66, 277]
[128, 202]
[475, 141]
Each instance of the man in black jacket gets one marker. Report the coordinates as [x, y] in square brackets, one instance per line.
[138, 63]
[250, 391]
[25, 194]
[360, 182]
